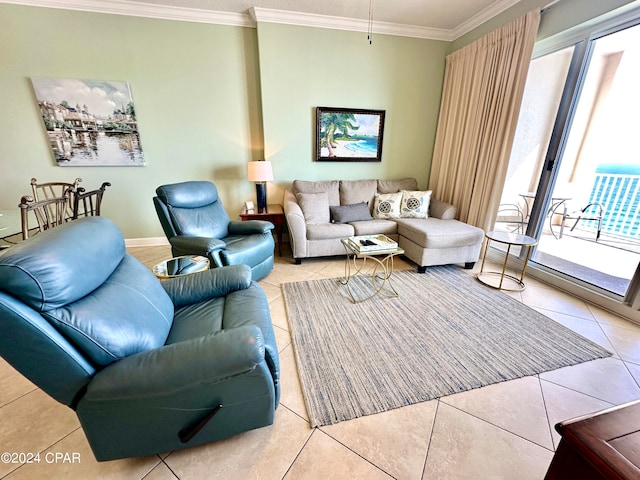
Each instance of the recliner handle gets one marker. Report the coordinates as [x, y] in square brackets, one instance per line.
[189, 432]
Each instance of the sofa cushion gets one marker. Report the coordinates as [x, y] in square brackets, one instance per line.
[350, 213]
[315, 207]
[357, 191]
[436, 233]
[393, 186]
[188, 324]
[375, 226]
[387, 205]
[329, 231]
[415, 204]
[331, 187]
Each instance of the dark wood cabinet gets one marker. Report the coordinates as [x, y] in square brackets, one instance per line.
[604, 445]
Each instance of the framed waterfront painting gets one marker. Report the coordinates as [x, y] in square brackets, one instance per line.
[349, 134]
[89, 122]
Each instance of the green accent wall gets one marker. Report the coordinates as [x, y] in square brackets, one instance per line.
[210, 98]
[196, 93]
[303, 68]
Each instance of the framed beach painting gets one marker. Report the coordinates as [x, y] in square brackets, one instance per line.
[349, 134]
[89, 122]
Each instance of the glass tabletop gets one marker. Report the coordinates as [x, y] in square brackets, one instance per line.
[181, 266]
[511, 238]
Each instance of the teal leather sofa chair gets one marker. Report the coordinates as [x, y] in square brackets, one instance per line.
[148, 366]
[196, 223]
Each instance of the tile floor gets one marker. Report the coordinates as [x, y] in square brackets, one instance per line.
[503, 431]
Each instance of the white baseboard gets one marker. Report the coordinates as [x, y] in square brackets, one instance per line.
[146, 242]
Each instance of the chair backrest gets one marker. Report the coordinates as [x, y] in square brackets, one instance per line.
[87, 204]
[49, 190]
[48, 213]
[192, 209]
[72, 301]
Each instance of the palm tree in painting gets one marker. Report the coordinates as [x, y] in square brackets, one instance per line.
[337, 122]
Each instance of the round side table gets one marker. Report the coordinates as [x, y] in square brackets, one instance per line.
[177, 266]
[501, 280]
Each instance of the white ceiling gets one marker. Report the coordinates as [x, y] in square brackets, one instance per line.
[439, 19]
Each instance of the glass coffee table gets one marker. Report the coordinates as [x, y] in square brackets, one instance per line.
[177, 266]
[380, 273]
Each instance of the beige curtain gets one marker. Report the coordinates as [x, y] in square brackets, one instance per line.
[483, 88]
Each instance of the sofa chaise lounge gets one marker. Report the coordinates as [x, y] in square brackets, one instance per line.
[320, 213]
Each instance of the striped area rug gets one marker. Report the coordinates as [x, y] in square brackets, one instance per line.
[444, 334]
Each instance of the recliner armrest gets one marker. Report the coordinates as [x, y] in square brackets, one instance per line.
[237, 227]
[179, 366]
[201, 245]
[202, 286]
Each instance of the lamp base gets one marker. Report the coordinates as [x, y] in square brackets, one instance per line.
[261, 197]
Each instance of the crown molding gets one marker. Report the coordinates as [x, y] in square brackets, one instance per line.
[257, 14]
[268, 15]
[483, 16]
[137, 9]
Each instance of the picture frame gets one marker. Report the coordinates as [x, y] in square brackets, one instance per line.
[89, 122]
[349, 134]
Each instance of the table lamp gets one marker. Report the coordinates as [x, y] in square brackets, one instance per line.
[261, 173]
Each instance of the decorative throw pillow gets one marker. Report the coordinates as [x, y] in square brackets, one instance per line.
[415, 204]
[315, 207]
[387, 205]
[350, 213]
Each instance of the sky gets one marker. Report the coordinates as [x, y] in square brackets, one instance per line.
[101, 97]
[368, 124]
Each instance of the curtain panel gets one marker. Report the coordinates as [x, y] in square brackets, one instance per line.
[483, 89]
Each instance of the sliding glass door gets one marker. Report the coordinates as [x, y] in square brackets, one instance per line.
[574, 171]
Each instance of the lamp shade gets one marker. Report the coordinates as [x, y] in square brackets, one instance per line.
[260, 171]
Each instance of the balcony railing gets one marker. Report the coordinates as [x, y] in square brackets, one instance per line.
[619, 194]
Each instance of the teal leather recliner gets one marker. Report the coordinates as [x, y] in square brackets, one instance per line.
[147, 366]
[196, 223]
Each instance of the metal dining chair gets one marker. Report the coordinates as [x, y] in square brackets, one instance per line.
[48, 213]
[51, 190]
[87, 204]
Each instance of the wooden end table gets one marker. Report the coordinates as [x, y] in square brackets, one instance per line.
[599, 446]
[274, 214]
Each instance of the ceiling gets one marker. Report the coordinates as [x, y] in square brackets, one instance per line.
[437, 19]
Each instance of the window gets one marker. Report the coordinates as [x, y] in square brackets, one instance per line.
[574, 170]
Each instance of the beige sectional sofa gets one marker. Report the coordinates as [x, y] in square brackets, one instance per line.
[320, 213]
